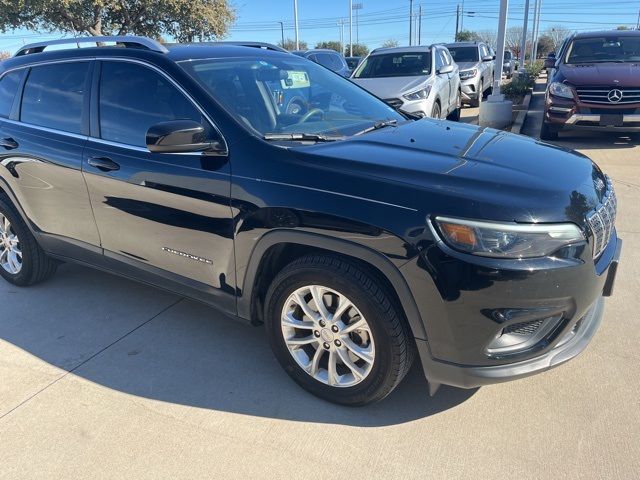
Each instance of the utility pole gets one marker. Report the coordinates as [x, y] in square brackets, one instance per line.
[410, 22]
[356, 7]
[341, 25]
[502, 30]
[523, 41]
[295, 19]
[351, 28]
[282, 32]
[537, 31]
[638, 22]
[462, 17]
[457, 22]
[420, 24]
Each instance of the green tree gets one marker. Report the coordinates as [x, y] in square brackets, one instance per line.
[184, 20]
[331, 45]
[467, 36]
[545, 45]
[359, 50]
[291, 45]
[392, 42]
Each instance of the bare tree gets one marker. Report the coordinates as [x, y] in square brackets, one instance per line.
[557, 33]
[4, 55]
[392, 42]
[513, 40]
[488, 36]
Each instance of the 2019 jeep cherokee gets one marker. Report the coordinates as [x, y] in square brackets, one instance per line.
[356, 235]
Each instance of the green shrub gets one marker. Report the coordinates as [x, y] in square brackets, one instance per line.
[534, 69]
[517, 88]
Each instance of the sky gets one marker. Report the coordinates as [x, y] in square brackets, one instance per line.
[381, 20]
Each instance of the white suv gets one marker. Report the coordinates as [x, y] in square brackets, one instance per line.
[420, 80]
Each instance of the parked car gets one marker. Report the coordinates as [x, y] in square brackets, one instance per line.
[510, 64]
[327, 58]
[595, 84]
[356, 235]
[476, 69]
[353, 62]
[420, 80]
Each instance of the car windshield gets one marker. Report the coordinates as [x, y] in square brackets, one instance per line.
[397, 64]
[288, 94]
[507, 55]
[464, 54]
[604, 49]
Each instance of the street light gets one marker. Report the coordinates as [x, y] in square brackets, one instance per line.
[282, 32]
[295, 19]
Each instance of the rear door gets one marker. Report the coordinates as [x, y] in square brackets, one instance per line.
[441, 83]
[168, 214]
[42, 140]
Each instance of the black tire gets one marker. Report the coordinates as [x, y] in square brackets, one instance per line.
[547, 132]
[454, 116]
[436, 111]
[36, 265]
[394, 347]
[475, 102]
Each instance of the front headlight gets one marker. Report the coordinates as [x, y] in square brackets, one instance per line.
[560, 90]
[466, 74]
[418, 94]
[507, 240]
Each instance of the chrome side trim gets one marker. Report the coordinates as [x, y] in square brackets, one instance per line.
[46, 129]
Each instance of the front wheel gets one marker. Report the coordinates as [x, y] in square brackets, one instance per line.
[455, 114]
[547, 132]
[335, 330]
[480, 93]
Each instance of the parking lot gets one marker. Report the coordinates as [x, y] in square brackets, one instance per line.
[104, 378]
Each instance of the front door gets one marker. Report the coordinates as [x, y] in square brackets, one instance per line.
[167, 213]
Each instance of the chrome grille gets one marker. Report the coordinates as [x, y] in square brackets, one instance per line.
[393, 102]
[602, 221]
[601, 95]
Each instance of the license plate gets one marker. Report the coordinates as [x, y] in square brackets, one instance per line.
[611, 120]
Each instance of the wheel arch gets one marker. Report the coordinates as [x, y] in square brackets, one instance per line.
[273, 245]
[5, 189]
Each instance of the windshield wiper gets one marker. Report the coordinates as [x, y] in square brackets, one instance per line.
[312, 137]
[378, 126]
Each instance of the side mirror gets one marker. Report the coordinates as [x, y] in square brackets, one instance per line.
[487, 58]
[549, 62]
[445, 69]
[494, 57]
[180, 136]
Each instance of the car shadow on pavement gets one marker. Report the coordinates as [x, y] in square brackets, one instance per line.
[588, 140]
[187, 354]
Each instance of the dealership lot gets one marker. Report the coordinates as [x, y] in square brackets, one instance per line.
[102, 377]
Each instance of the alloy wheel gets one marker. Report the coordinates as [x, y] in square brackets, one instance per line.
[10, 252]
[328, 336]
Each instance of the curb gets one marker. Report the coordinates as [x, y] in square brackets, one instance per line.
[522, 114]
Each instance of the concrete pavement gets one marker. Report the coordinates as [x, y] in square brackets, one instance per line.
[104, 378]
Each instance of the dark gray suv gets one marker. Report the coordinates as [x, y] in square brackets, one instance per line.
[327, 58]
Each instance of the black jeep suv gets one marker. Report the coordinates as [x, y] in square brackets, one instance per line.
[356, 235]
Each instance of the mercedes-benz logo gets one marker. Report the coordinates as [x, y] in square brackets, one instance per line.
[614, 95]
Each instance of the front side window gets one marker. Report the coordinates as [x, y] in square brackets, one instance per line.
[8, 89]
[287, 94]
[408, 64]
[53, 96]
[464, 54]
[604, 49]
[133, 97]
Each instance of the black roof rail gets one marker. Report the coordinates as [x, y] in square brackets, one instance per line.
[129, 41]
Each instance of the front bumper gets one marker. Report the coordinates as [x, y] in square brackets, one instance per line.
[461, 325]
[563, 113]
[469, 89]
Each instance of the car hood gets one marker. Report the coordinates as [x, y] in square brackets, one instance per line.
[465, 170]
[391, 87]
[610, 74]
[467, 65]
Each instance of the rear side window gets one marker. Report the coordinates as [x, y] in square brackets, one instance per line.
[329, 60]
[133, 98]
[53, 96]
[8, 89]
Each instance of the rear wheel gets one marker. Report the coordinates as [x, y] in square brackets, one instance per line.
[336, 331]
[22, 261]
